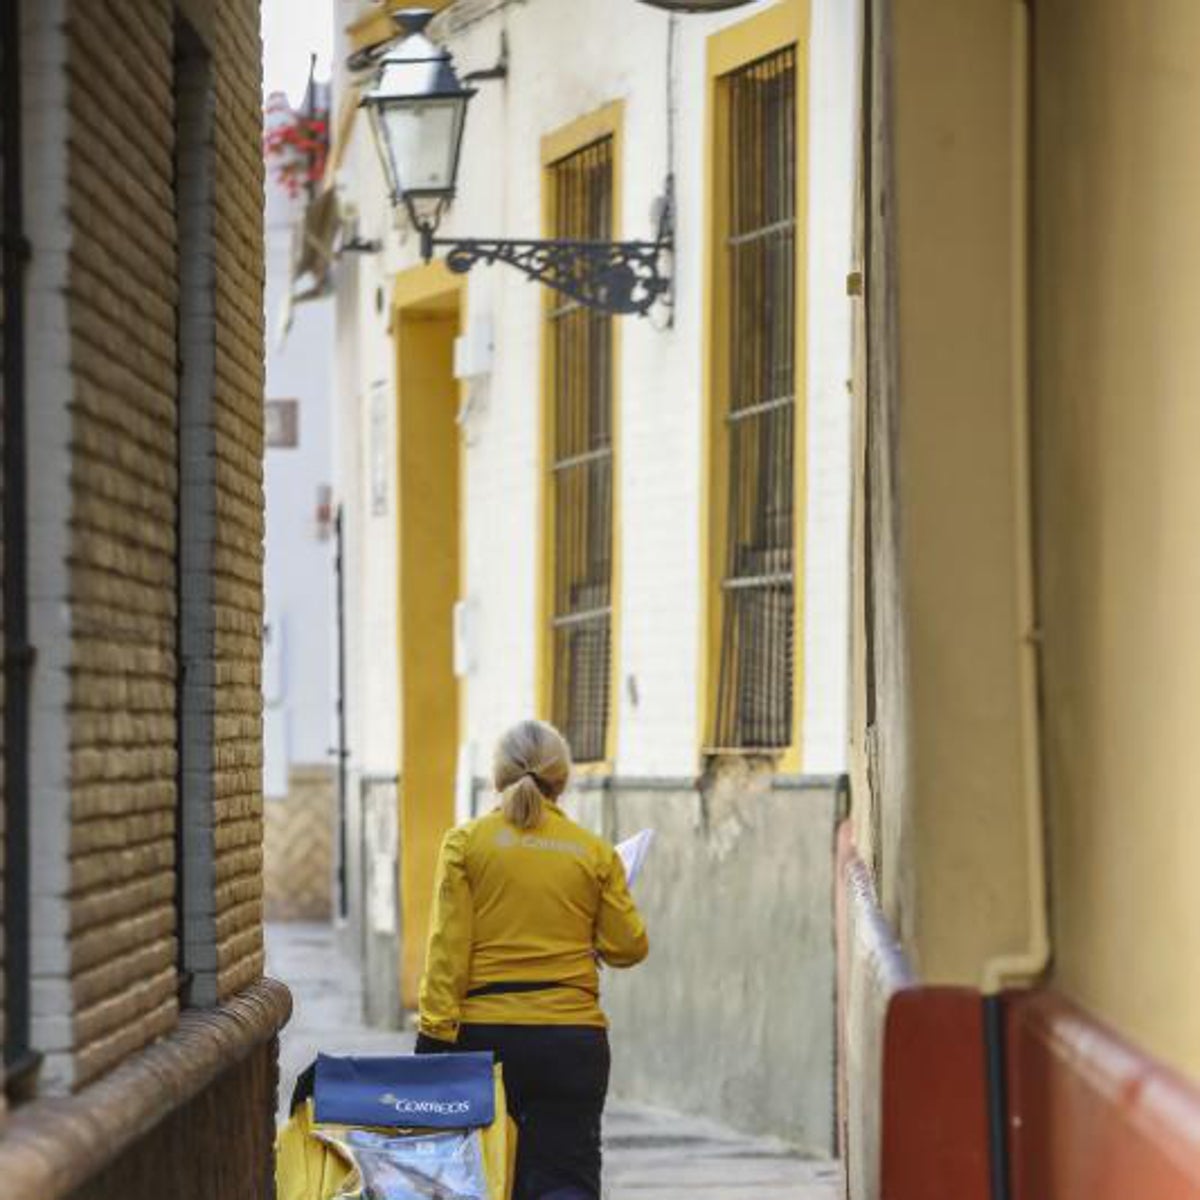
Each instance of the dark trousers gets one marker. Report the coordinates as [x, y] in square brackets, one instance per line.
[556, 1078]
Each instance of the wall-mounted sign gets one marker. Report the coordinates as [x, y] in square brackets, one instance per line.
[380, 443]
[281, 424]
[326, 516]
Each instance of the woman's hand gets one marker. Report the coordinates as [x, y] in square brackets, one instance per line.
[431, 1045]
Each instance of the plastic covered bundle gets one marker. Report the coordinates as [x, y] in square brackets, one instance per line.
[403, 1128]
[438, 1166]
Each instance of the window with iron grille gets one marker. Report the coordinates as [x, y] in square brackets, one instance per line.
[581, 468]
[754, 699]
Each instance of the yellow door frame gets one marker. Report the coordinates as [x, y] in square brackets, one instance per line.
[428, 451]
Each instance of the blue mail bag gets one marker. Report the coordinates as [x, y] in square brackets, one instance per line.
[430, 1091]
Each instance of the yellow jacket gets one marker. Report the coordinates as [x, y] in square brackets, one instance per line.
[525, 907]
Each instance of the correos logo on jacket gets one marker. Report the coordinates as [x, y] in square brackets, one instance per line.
[416, 1108]
[531, 841]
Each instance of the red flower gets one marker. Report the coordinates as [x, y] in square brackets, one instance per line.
[295, 147]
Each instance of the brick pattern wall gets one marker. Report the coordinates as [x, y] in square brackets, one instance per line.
[122, 298]
[190, 1118]
[298, 845]
[126, 338]
[219, 1146]
[238, 553]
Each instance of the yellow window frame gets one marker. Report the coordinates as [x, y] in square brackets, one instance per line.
[784, 25]
[605, 122]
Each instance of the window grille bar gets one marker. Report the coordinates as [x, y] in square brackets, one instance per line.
[755, 680]
[787, 225]
[582, 460]
[583, 618]
[581, 469]
[742, 412]
[777, 579]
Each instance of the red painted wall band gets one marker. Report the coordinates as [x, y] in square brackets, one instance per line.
[1094, 1118]
[935, 1130]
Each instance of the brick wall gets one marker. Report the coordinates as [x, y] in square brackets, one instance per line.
[121, 312]
[237, 598]
[123, 295]
[220, 1146]
[192, 1117]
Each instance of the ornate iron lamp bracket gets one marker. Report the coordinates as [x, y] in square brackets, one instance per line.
[620, 278]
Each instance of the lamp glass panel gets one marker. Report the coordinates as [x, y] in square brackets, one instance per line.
[427, 209]
[383, 149]
[423, 140]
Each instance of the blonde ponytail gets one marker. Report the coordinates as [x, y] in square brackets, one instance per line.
[522, 804]
[532, 765]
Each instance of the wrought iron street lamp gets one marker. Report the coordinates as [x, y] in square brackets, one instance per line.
[695, 6]
[418, 110]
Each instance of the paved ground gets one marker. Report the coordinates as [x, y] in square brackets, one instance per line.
[649, 1155]
[327, 1003]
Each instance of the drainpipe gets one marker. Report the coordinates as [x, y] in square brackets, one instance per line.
[1026, 965]
[1023, 967]
[343, 753]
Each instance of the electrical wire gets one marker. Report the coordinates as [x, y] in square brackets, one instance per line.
[667, 200]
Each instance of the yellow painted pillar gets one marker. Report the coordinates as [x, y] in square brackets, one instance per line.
[428, 503]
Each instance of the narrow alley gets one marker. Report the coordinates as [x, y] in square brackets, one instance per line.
[649, 1154]
[518, 516]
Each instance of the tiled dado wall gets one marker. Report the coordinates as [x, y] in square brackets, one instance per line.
[152, 281]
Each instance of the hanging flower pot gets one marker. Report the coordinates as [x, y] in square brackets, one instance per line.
[295, 146]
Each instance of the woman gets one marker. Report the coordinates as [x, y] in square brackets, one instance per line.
[525, 904]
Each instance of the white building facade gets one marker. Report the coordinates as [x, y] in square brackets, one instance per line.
[299, 634]
[451, 391]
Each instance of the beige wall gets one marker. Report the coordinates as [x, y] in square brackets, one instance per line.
[945, 754]
[1118, 417]
[942, 509]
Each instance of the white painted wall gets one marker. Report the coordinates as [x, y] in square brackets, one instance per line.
[834, 74]
[372, 565]
[299, 665]
[569, 57]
